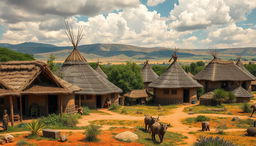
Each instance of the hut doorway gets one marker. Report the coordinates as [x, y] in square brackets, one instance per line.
[98, 101]
[24, 102]
[52, 104]
[186, 95]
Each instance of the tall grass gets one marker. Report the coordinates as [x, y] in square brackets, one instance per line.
[213, 141]
[35, 127]
[92, 131]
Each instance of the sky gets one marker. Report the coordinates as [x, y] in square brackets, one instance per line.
[190, 24]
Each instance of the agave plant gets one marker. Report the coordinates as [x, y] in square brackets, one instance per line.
[35, 127]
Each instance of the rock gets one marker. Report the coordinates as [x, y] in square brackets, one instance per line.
[235, 119]
[49, 133]
[63, 138]
[9, 138]
[251, 131]
[2, 141]
[127, 136]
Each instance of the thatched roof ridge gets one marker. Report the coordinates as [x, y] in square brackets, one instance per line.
[19, 76]
[5, 90]
[241, 92]
[75, 57]
[147, 73]
[220, 70]
[100, 71]
[141, 93]
[175, 77]
[240, 64]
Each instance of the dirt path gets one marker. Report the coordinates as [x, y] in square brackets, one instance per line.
[175, 119]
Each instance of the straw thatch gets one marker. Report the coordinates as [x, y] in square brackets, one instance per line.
[241, 65]
[147, 73]
[241, 92]
[5, 90]
[77, 71]
[175, 77]
[220, 70]
[137, 94]
[32, 77]
[100, 71]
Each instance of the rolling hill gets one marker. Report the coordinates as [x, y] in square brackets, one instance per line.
[124, 52]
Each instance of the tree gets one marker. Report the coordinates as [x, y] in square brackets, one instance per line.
[10, 55]
[53, 66]
[127, 77]
[220, 95]
[159, 69]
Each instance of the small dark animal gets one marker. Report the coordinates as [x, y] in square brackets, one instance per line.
[251, 131]
[205, 126]
[149, 121]
[253, 109]
[160, 129]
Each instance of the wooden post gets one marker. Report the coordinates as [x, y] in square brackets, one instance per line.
[61, 108]
[21, 109]
[11, 110]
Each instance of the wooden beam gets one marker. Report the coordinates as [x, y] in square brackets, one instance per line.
[11, 110]
[79, 101]
[20, 109]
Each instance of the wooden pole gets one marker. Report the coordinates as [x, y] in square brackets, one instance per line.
[21, 109]
[79, 100]
[11, 110]
[61, 108]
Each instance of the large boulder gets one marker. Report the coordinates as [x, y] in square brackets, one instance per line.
[127, 136]
[2, 141]
[9, 138]
[251, 131]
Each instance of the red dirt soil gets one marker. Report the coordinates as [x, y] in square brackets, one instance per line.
[77, 138]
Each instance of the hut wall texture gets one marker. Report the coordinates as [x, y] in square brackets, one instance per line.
[162, 98]
[192, 94]
[231, 85]
[41, 100]
[242, 99]
[68, 103]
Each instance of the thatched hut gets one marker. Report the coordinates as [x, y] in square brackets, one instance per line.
[174, 86]
[224, 74]
[242, 95]
[148, 74]
[29, 88]
[96, 89]
[136, 97]
[100, 71]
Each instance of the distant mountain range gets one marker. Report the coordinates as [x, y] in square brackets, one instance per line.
[125, 52]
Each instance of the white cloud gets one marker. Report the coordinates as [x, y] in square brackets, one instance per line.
[153, 3]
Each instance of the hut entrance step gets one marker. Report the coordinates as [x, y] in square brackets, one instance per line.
[52, 104]
[186, 95]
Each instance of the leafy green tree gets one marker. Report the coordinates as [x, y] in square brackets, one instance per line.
[10, 55]
[220, 95]
[251, 68]
[159, 69]
[127, 77]
[53, 66]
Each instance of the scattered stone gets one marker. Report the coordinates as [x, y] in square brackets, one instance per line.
[2, 141]
[235, 119]
[51, 133]
[127, 136]
[63, 138]
[9, 138]
[217, 109]
[251, 131]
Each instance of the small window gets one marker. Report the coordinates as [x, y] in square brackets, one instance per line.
[174, 91]
[166, 91]
[88, 97]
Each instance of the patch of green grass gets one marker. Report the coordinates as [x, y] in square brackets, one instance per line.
[138, 110]
[16, 128]
[37, 137]
[22, 142]
[170, 138]
[118, 122]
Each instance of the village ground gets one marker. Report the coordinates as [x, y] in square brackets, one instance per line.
[181, 132]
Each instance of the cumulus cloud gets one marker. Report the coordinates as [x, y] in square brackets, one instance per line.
[153, 3]
[200, 14]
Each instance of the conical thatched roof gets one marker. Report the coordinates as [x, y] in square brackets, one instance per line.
[32, 77]
[100, 71]
[141, 93]
[147, 73]
[241, 65]
[84, 76]
[220, 70]
[241, 92]
[175, 77]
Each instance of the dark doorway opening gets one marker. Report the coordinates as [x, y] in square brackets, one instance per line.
[186, 95]
[98, 101]
[24, 101]
[52, 104]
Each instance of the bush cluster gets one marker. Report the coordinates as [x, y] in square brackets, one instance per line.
[61, 121]
[246, 108]
[201, 118]
[213, 141]
[91, 132]
[114, 107]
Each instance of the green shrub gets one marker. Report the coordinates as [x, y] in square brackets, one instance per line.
[201, 118]
[246, 108]
[92, 131]
[35, 127]
[86, 110]
[22, 143]
[220, 95]
[124, 111]
[212, 141]
[114, 107]
[231, 98]
[61, 121]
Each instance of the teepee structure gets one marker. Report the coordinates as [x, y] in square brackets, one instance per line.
[174, 86]
[96, 90]
[148, 74]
